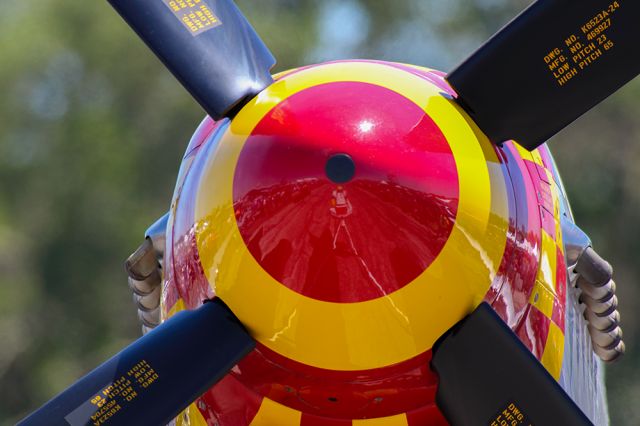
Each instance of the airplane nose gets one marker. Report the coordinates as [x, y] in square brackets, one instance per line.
[350, 270]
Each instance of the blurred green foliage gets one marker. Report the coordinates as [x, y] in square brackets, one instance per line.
[92, 129]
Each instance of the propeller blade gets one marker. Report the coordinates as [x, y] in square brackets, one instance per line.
[207, 44]
[550, 65]
[487, 376]
[157, 376]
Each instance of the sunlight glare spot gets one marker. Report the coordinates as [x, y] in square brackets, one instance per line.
[365, 126]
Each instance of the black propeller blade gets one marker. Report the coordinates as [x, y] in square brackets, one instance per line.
[487, 377]
[157, 376]
[207, 44]
[549, 66]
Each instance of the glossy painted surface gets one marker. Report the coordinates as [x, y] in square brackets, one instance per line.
[378, 332]
[346, 286]
[362, 239]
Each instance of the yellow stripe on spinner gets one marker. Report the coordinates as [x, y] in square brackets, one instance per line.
[282, 74]
[553, 351]
[273, 414]
[374, 333]
[398, 420]
[416, 67]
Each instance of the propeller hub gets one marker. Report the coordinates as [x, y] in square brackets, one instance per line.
[340, 168]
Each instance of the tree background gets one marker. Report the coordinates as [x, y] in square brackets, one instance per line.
[92, 129]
